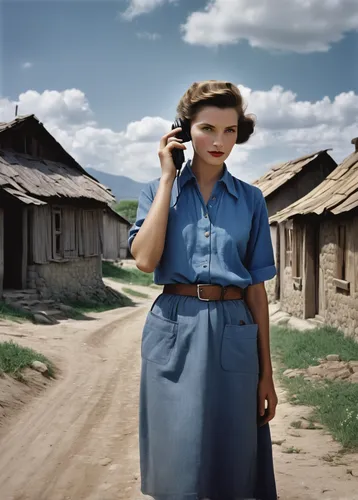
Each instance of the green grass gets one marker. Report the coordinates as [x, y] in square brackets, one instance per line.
[334, 403]
[130, 276]
[302, 349]
[135, 293]
[10, 313]
[14, 358]
[80, 309]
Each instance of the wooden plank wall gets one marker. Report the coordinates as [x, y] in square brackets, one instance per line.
[41, 234]
[1, 250]
[112, 237]
[82, 233]
[355, 250]
[309, 271]
[24, 247]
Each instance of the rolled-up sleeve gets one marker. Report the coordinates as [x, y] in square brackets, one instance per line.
[260, 260]
[145, 201]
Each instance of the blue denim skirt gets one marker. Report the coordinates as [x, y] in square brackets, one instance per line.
[198, 430]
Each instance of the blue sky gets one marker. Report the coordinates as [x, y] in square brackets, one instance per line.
[115, 75]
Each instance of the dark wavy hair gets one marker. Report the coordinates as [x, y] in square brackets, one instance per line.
[217, 93]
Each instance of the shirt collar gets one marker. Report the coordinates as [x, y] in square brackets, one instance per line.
[227, 179]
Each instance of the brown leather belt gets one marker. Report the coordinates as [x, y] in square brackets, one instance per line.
[205, 291]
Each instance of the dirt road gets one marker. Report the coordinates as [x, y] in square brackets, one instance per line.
[78, 439]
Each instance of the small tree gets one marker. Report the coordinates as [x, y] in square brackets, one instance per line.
[128, 209]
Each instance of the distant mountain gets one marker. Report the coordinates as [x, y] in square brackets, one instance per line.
[122, 187]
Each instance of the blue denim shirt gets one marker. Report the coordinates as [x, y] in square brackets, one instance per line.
[225, 242]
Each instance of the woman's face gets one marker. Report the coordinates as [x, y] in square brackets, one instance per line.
[214, 130]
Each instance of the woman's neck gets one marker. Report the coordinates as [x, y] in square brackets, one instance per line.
[206, 174]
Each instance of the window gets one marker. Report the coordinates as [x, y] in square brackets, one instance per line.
[342, 253]
[57, 236]
[288, 246]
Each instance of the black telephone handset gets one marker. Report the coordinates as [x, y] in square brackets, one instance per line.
[177, 154]
[184, 135]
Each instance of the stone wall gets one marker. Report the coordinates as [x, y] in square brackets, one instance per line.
[341, 307]
[291, 299]
[74, 279]
[271, 289]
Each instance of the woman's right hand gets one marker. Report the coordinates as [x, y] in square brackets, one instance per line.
[167, 143]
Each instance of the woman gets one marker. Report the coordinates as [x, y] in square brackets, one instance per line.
[206, 369]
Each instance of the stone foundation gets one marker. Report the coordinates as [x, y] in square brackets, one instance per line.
[75, 279]
[271, 289]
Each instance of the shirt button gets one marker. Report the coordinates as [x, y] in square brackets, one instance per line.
[207, 234]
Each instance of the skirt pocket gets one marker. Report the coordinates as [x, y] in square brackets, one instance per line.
[158, 338]
[239, 352]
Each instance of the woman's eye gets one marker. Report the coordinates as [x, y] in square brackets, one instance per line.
[228, 130]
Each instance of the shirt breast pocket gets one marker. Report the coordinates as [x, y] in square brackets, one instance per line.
[158, 338]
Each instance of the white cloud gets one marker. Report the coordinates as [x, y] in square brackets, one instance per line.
[278, 108]
[139, 7]
[147, 129]
[286, 127]
[296, 25]
[145, 35]
[27, 65]
[67, 109]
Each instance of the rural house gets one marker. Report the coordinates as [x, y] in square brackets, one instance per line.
[319, 250]
[51, 215]
[284, 184]
[115, 235]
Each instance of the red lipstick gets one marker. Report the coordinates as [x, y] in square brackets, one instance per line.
[216, 154]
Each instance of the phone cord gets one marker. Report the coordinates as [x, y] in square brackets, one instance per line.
[178, 188]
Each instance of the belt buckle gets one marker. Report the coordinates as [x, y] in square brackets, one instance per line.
[198, 291]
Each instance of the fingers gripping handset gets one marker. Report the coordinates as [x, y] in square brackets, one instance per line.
[171, 150]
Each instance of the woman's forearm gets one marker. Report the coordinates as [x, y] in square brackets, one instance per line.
[148, 244]
[256, 299]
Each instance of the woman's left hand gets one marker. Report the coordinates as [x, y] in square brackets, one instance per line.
[266, 392]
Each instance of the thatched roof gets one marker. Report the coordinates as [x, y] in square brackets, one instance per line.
[278, 175]
[111, 212]
[32, 180]
[337, 194]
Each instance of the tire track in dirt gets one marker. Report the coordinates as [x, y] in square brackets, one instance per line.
[46, 448]
[99, 410]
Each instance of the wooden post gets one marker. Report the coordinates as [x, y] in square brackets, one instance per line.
[24, 249]
[308, 284]
[277, 260]
[351, 249]
[281, 229]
